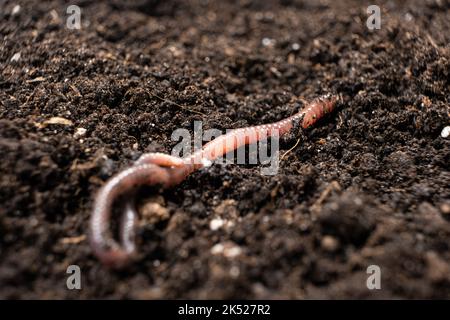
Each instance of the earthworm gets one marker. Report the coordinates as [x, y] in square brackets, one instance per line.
[166, 171]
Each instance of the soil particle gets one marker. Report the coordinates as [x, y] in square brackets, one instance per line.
[351, 218]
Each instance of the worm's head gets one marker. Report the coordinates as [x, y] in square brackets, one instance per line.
[318, 108]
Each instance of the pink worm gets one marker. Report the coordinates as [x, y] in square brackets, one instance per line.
[166, 171]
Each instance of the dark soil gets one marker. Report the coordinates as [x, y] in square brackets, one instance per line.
[368, 185]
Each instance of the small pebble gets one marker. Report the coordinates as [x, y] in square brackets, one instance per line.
[15, 10]
[232, 252]
[408, 17]
[79, 132]
[153, 213]
[445, 132]
[445, 208]
[15, 57]
[216, 224]
[227, 249]
[217, 249]
[267, 42]
[329, 243]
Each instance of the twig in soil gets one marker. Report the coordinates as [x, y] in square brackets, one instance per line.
[166, 171]
[295, 145]
[73, 240]
[333, 186]
[431, 40]
[178, 105]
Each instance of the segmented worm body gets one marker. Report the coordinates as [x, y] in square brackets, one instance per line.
[166, 171]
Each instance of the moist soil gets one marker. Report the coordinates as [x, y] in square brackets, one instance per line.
[368, 185]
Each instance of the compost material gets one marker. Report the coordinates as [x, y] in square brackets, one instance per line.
[368, 186]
